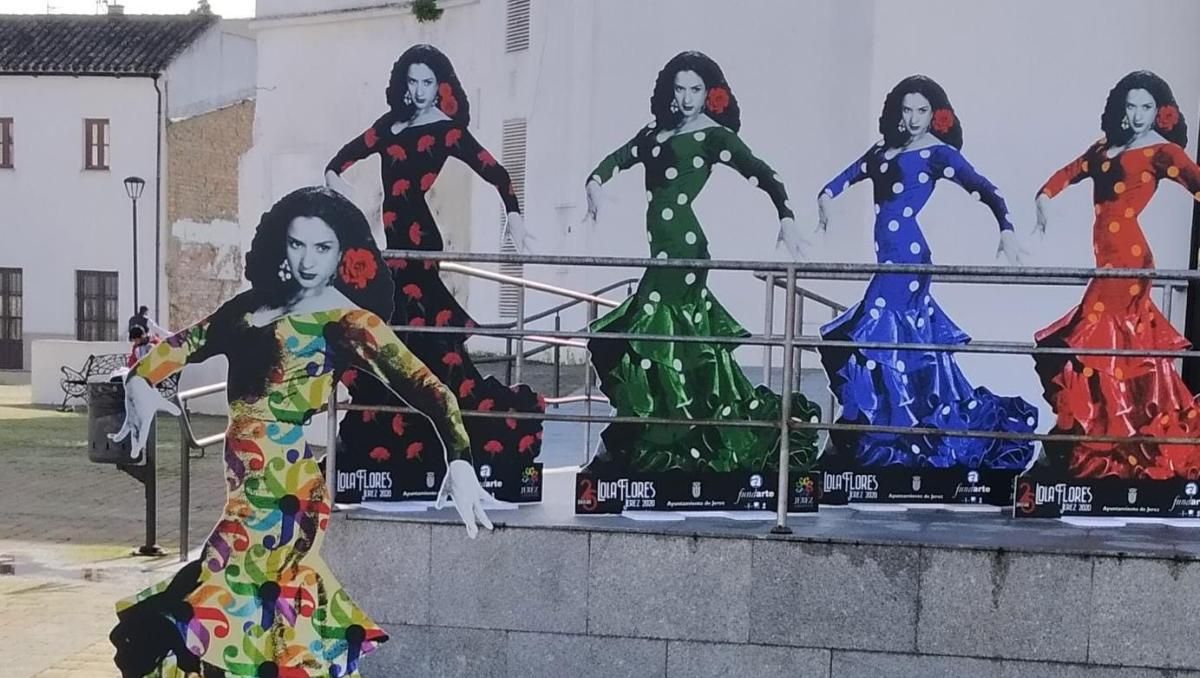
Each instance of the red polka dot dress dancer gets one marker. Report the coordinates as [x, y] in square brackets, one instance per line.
[427, 124]
[1123, 395]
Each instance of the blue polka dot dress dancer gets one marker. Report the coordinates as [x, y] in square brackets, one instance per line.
[904, 388]
[696, 119]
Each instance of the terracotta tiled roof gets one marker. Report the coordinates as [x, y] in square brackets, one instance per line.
[58, 44]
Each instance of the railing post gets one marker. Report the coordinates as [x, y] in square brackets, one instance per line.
[508, 363]
[331, 438]
[557, 351]
[785, 409]
[587, 390]
[521, 334]
[150, 484]
[798, 355]
[768, 327]
[185, 482]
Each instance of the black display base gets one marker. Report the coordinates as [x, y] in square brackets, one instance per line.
[897, 485]
[510, 483]
[1045, 493]
[682, 491]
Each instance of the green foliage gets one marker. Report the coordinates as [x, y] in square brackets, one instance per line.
[426, 10]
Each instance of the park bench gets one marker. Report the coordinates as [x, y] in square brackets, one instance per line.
[74, 382]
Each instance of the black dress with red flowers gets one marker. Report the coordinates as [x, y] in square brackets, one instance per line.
[405, 444]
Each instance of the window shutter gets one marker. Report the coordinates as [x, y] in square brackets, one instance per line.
[512, 156]
[516, 28]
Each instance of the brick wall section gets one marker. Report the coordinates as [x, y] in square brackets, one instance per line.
[204, 268]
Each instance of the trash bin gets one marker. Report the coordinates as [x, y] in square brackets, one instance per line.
[106, 414]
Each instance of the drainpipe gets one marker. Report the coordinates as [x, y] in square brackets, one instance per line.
[158, 170]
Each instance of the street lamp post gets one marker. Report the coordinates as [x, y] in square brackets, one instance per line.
[133, 188]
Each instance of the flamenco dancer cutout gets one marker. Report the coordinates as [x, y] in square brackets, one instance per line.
[1144, 136]
[426, 125]
[922, 136]
[696, 120]
[260, 601]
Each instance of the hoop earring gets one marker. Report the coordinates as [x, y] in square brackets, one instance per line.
[1125, 122]
[285, 271]
[407, 98]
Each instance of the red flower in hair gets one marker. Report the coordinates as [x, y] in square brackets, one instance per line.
[452, 359]
[446, 100]
[358, 268]
[1167, 118]
[486, 159]
[416, 322]
[427, 181]
[412, 291]
[443, 318]
[526, 443]
[466, 388]
[493, 447]
[380, 454]
[414, 233]
[398, 424]
[397, 153]
[400, 187]
[414, 451]
[425, 143]
[943, 120]
[718, 100]
[389, 218]
[453, 136]
[370, 137]
[486, 405]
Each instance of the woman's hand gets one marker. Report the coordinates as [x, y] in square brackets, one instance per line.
[1041, 202]
[592, 188]
[469, 497]
[823, 212]
[142, 402]
[1011, 248]
[522, 239]
[791, 237]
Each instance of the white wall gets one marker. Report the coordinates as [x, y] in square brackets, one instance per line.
[215, 71]
[1028, 79]
[57, 217]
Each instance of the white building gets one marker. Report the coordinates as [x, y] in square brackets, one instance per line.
[86, 101]
[556, 85]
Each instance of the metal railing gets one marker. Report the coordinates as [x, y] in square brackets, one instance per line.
[189, 441]
[793, 340]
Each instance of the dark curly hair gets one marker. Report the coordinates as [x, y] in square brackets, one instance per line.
[442, 69]
[268, 250]
[664, 90]
[889, 118]
[257, 349]
[1114, 109]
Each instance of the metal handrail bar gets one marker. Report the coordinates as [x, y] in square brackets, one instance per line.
[822, 270]
[777, 281]
[188, 442]
[794, 423]
[522, 282]
[563, 306]
[956, 278]
[810, 341]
